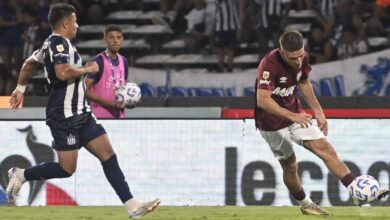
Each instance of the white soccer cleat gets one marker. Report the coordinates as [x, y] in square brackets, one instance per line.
[138, 209]
[14, 184]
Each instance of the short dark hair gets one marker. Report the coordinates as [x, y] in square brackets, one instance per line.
[291, 41]
[112, 27]
[58, 11]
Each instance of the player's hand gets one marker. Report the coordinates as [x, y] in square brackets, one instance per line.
[120, 105]
[92, 66]
[322, 123]
[129, 106]
[302, 118]
[16, 99]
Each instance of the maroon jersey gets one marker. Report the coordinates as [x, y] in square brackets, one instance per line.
[277, 76]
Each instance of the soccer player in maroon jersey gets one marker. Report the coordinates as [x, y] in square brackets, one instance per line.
[281, 120]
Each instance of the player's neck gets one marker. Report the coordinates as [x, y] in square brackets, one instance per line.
[61, 33]
[112, 54]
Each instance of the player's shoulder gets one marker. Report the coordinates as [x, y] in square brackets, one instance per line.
[271, 59]
[123, 58]
[97, 58]
[58, 42]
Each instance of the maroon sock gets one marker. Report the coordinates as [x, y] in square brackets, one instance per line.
[347, 179]
[299, 195]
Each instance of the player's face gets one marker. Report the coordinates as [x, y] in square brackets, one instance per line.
[293, 59]
[72, 26]
[114, 40]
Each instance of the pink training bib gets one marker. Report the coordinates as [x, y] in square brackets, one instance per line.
[112, 76]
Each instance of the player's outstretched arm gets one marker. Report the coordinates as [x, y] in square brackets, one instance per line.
[29, 67]
[67, 72]
[93, 97]
[265, 101]
[307, 92]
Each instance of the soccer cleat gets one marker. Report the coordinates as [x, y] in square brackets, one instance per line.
[382, 194]
[143, 208]
[14, 184]
[314, 209]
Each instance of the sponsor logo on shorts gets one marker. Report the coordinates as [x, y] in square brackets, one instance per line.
[71, 139]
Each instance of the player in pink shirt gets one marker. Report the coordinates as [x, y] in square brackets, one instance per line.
[113, 71]
[281, 120]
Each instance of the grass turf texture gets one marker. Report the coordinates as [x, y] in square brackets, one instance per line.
[189, 213]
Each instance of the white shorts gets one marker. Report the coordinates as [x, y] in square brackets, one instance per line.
[281, 141]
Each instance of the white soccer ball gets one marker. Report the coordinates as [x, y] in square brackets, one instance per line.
[364, 188]
[130, 94]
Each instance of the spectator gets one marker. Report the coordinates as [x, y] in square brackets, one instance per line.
[200, 21]
[344, 16]
[318, 45]
[31, 35]
[172, 14]
[10, 41]
[379, 23]
[351, 44]
[383, 3]
[325, 8]
[301, 4]
[269, 18]
[226, 29]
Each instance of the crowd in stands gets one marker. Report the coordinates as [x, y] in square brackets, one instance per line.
[339, 29]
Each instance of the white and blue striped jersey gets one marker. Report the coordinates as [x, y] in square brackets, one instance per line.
[67, 97]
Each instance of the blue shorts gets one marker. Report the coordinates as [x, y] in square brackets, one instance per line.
[74, 132]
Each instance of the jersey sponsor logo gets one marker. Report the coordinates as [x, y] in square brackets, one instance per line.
[71, 139]
[283, 79]
[283, 92]
[265, 75]
[262, 81]
[60, 48]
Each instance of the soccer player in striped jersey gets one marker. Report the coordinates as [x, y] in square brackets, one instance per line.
[68, 114]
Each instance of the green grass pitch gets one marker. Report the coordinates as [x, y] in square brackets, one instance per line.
[190, 213]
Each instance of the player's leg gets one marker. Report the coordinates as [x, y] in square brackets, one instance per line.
[48, 170]
[293, 183]
[282, 148]
[324, 150]
[98, 144]
[65, 143]
[101, 148]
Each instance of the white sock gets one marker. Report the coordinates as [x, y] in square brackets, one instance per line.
[20, 175]
[131, 204]
[305, 202]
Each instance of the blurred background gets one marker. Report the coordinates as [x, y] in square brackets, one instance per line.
[174, 47]
[180, 60]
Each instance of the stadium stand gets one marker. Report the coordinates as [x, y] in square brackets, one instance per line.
[155, 46]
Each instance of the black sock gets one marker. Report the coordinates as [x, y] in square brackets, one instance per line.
[116, 178]
[45, 171]
[299, 195]
[347, 179]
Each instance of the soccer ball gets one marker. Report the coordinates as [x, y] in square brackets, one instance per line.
[364, 189]
[130, 94]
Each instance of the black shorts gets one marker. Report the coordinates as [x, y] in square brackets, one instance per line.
[74, 132]
[225, 39]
